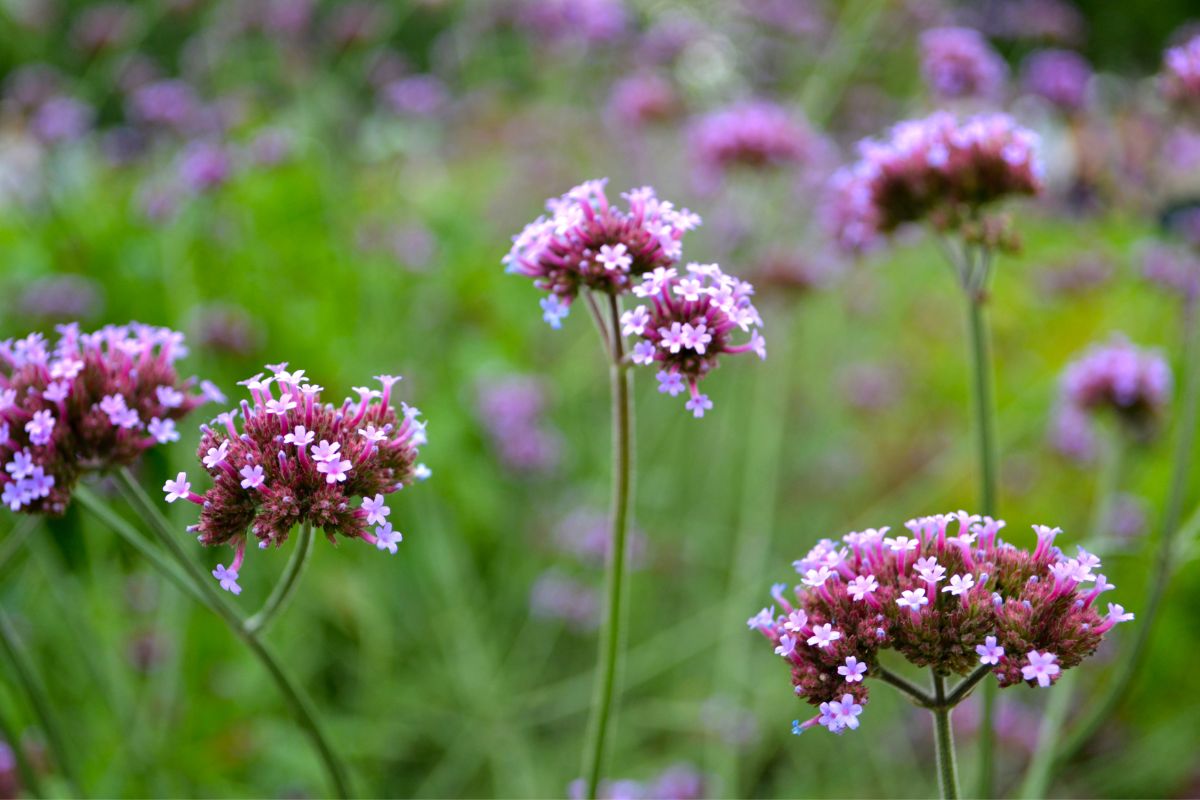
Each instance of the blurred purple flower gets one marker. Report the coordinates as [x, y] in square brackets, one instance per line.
[585, 535]
[641, 99]
[1181, 72]
[555, 596]
[1060, 77]
[60, 298]
[512, 409]
[416, 95]
[870, 387]
[227, 329]
[30, 85]
[10, 774]
[959, 62]
[1174, 269]
[169, 103]
[61, 119]
[104, 26]
[585, 21]
[799, 18]
[1044, 20]
[204, 166]
[286, 18]
[756, 134]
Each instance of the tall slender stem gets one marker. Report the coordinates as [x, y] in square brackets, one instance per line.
[944, 740]
[610, 637]
[293, 695]
[39, 702]
[1160, 576]
[981, 373]
[287, 584]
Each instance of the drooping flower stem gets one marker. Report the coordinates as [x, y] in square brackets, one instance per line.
[944, 740]
[293, 695]
[615, 586]
[287, 582]
[1118, 689]
[26, 676]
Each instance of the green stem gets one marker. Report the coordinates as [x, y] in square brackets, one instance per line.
[1161, 575]
[963, 689]
[28, 772]
[944, 740]
[610, 637]
[39, 702]
[293, 695]
[286, 586]
[981, 373]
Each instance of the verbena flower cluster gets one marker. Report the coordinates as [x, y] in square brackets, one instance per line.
[755, 134]
[90, 402]
[1117, 377]
[1181, 72]
[935, 169]
[1060, 77]
[297, 460]
[586, 242]
[959, 63]
[512, 409]
[949, 594]
[687, 322]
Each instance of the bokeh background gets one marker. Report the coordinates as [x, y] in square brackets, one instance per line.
[333, 184]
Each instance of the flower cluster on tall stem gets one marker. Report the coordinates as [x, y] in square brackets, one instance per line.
[298, 461]
[90, 402]
[949, 594]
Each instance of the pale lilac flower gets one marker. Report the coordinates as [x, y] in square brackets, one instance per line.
[326, 451]
[169, 396]
[1117, 613]
[1041, 668]
[913, 600]
[300, 436]
[763, 619]
[861, 586]
[698, 404]
[41, 427]
[670, 383]
[216, 455]
[178, 488]
[228, 579]
[252, 476]
[853, 670]
[333, 469]
[989, 652]
[787, 645]
[554, 310]
[1059, 76]
[163, 430]
[824, 635]
[960, 584]
[375, 509]
[387, 538]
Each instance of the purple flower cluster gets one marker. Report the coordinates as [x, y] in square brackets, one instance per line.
[1060, 77]
[1181, 73]
[949, 602]
[512, 409]
[641, 99]
[686, 325]
[297, 460]
[91, 402]
[934, 169]
[586, 21]
[586, 242]
[1128, 381]
[959, 63]
[756, 134]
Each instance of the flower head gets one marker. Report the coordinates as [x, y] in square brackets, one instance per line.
[1060, 77]
[757, 135]
[999, 602]
[935, 169]
[267, 478]
[89, 402]
[959, 62]
[587, 242]
[689, 322]
[1132, 383]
